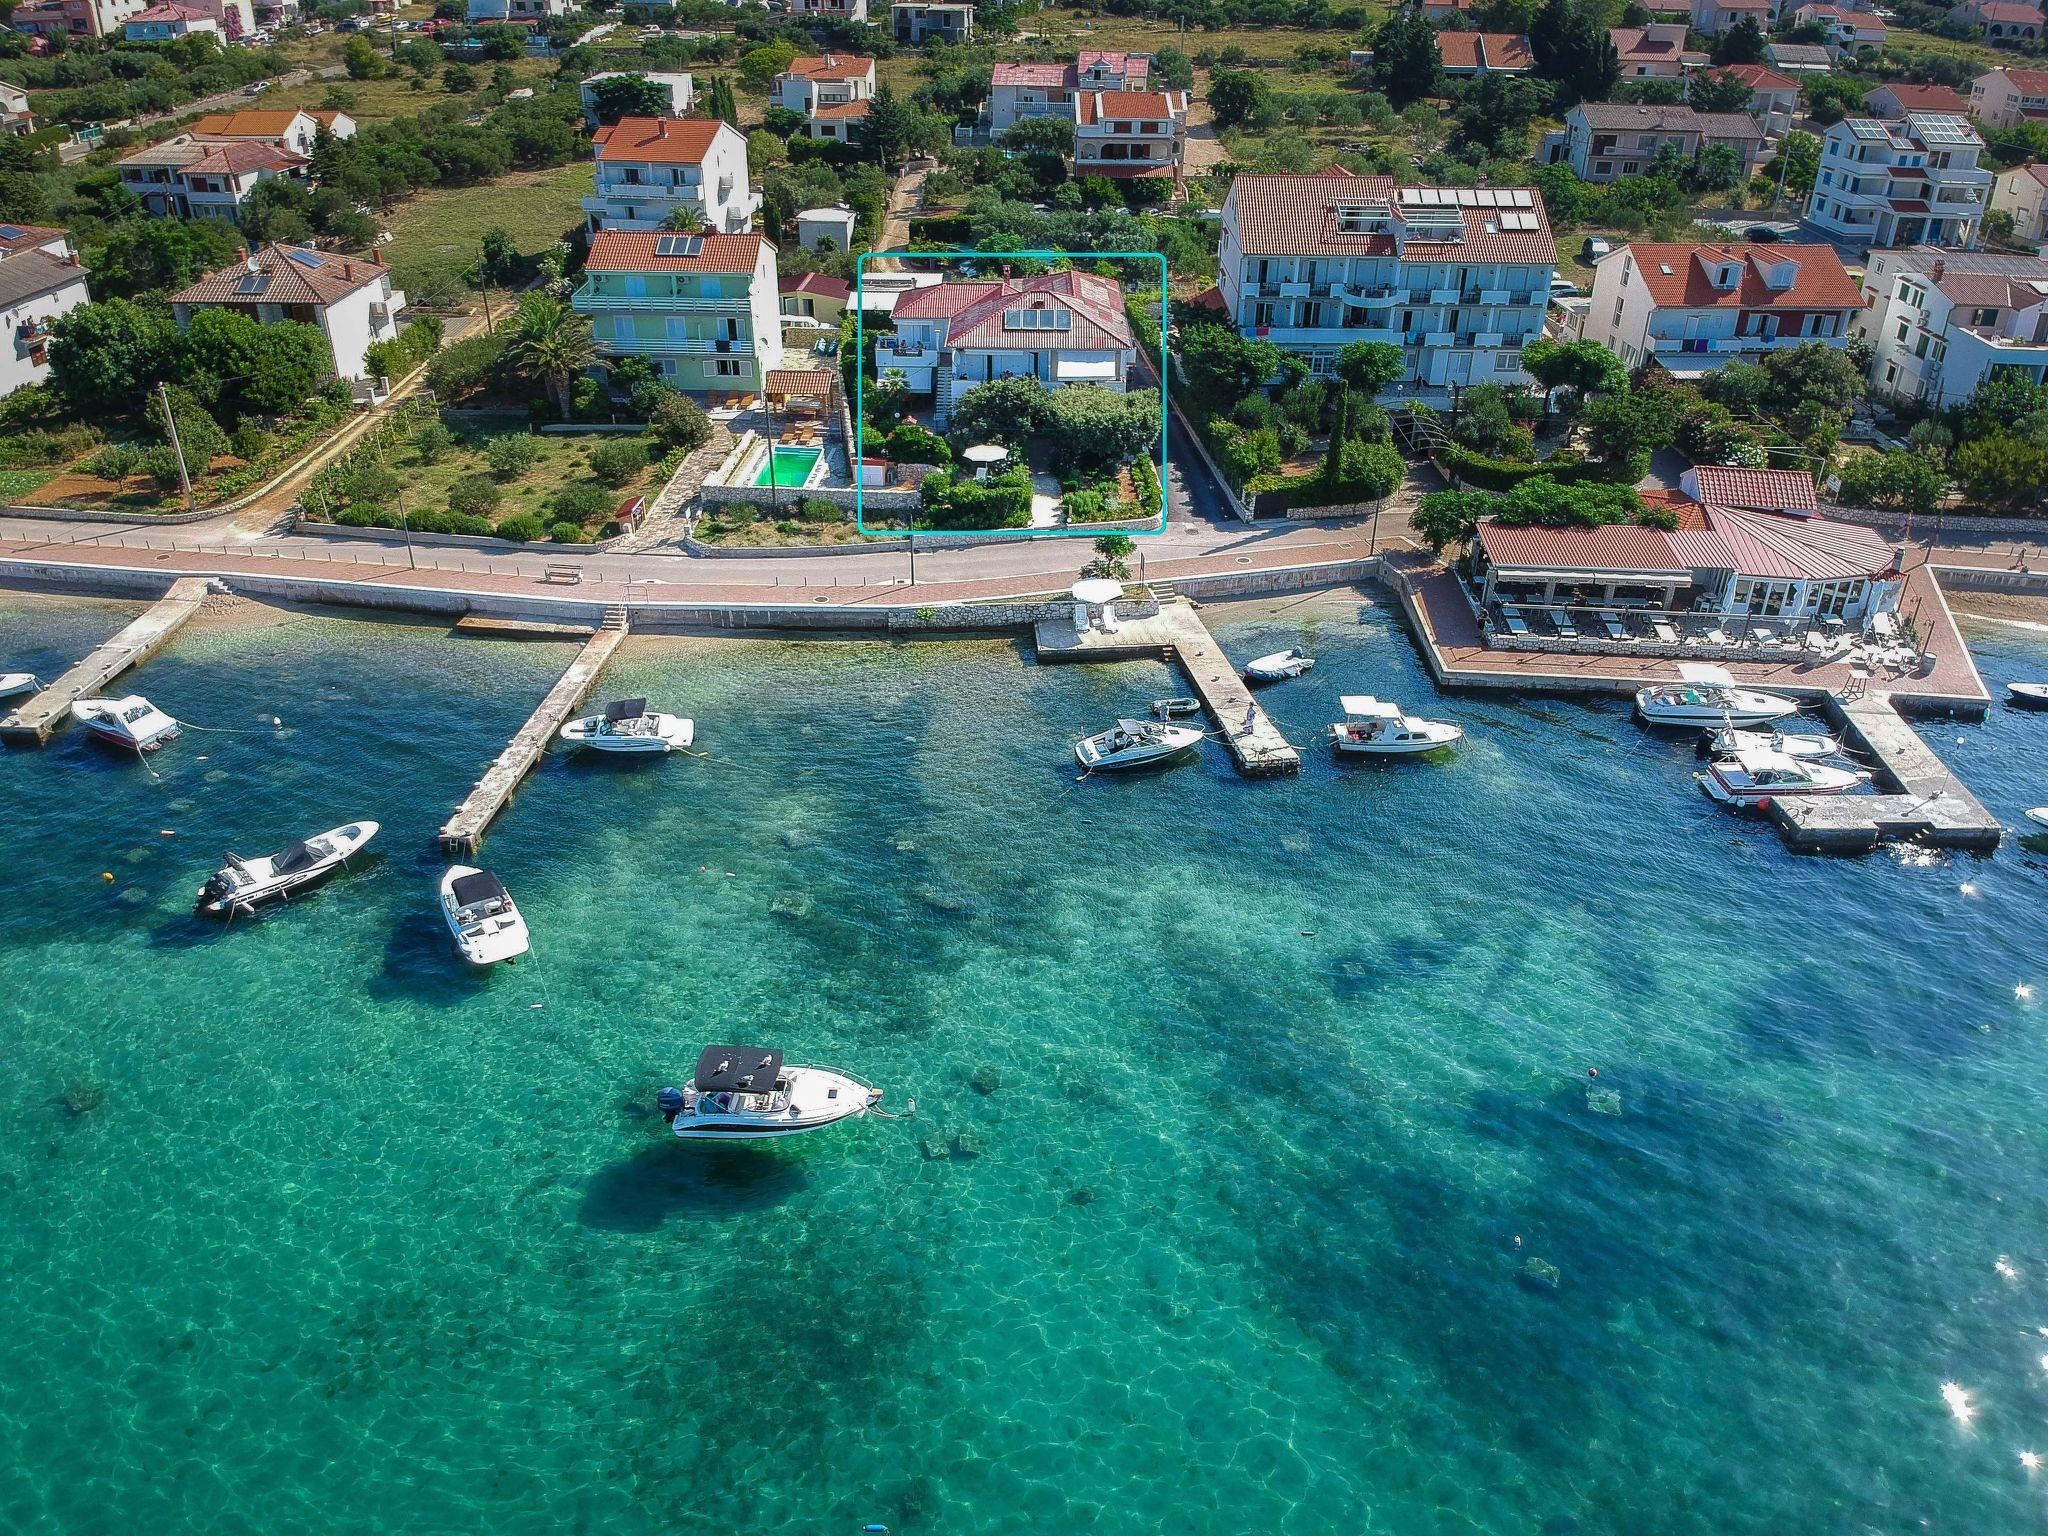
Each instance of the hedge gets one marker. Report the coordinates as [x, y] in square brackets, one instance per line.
[1485, 474]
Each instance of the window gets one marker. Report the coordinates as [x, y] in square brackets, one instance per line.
[1038, 318]
[1507, 362]
[728, 367]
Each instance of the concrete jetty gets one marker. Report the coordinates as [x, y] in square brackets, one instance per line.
[464, 830]
[1927, 804]
[1177, 634]
[32, 723]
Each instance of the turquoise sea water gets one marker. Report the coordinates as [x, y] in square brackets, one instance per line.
[1258, 1182]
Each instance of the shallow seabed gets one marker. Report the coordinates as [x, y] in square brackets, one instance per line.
[1258, 1181]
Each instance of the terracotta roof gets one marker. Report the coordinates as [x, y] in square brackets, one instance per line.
[297, 275]
[1767, 490]
[30, 274]
[841, 111]
[1759, 77]
[169, 11]
[2010, 12]
[24, 237]
[239, 157]
[1610, 547]
[800, 381]
[659, 140]
[246, 125]
[1630, 117]
[1136, 68]
[1032, 74]
[2035, 170]
[974, 311]
[638, 250]
[832, 66]
[1923, 98]
[1280, 215]
[1132, 104]
[1637, 43]
[327, 119]
[2028, 82]
[1493, 50]
[1677, 277]
[815, 282]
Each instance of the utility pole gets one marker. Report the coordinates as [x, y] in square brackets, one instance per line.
[411, 563]
[163, 396]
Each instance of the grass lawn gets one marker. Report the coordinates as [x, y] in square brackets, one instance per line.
[564, 461]
[16, 483]
[379, 101]
[435, 234]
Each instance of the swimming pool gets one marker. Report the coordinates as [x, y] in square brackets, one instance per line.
[793, 466]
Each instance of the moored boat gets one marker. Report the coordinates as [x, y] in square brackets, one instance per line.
[241, 885]
[1278, 666]
[1750, 778]
[1728, 741]
[133, 722]
[14, 684]
[481, 916]
[746, 1093]
[2038, 815]
[1134, 743]
[1374, 728]
[2028, 695]
[629, 726]
[1707, 695]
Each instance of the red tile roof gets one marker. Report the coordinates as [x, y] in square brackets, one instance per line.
[239, 157]
[27, 236]
[2010, 12]
[974, 311]
[800, 381]
[1924, 98]
[1822, 281]
[1281, 215]
[1754, 489]
[1759, 78]
[297, 275]
[832, 66]
[637, 250]
[841, 111]
[658, 140]
[819, 283]
[1032, 74]
[1132, 104]
[2028, 82]
[261, 124]
[1494, 50]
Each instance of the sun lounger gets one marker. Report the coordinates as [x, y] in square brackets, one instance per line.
[1817, 642]
[1611, 622]
[1717, 636]
[1562, 623]
[1885, 626]
[1664, 632]
[1516, 625]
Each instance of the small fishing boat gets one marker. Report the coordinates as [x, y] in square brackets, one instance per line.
[629, 726]
[1706, 695]
[1175, 709]
[1278, 666]
[1751, 778]
[2038, 815]
[241, 885]
[1374, 728]
[480, 914]
[2027, 695]
[1728, 741]
[133, 722]
[14, 684]
[1133, 743]
[746, 1093]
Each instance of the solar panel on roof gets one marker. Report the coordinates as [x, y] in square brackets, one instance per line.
[252, 282]
[1942, 128]
[1867, 128]
[1521, 199]
[310, 259]
[11, 231]
[678, 245]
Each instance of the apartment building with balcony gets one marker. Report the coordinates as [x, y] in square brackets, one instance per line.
[703, 309]
[2005, 98]
[1124, 134]
[1457, 277]
[1941, 322]
[1612, 141]
[37, 286]
[649, 168]
[1904, 183]
[1059, 328]
[351, 299]
[189, 178]
[2023, 193]
[916, 23]
[832, 91]
[1019, 91]
[1773, 97]
[1694, 309]
[287, 127]
[1845, 33]
[1711, 18]
[75, 18]
[827, 10]
[1655, 52]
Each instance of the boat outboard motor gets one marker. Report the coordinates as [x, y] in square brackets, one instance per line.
[670, 1102]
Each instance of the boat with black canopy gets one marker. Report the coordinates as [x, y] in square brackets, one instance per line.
[747, 1093]
[242, 885]
[629, 726]
[481, 916]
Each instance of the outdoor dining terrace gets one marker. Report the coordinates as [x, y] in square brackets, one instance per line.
[1885, 644]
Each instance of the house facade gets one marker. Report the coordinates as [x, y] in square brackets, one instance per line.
[831, 91]
[827, 10]
[487, 12]
[915, 23]
[1060, 328]
[2000, 21]
[701, 308]
[36, 287]
[650, 168]
[2023, 193]
[814, 296]
[1694, 309]
[1902, 183]
[829, 228]
[1713, 17]
[353, 301]
[1018, 91]
[1124, 134]
[1655, 52]
[189, 178]
[680, 89]
[166, 23]
[286, 128]
[15, 116]
[1847, 33]
[1941, 322]
[1889, 103]
[1458, 278]
[75, 18]
[2005, 98]
[1609, 141]
[1773, 97]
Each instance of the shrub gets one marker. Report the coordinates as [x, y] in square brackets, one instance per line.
[249, 441]
[568, 533]
[475, 495]
[679, 422]
[463, 522]
[815, 509]
[523, 528]
[428, 522]
[911, 444]
[617, 463]
[580, 503]
[366, 517]
[512, 455]
[116, 461]
[432, 442]
[466, 367]
[161, 465]
[371, 484]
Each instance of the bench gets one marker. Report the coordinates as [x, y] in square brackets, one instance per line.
[567, 574]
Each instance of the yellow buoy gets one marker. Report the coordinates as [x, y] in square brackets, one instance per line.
[107, 875]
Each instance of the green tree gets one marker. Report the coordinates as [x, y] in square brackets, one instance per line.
[1095, 428]
[618, 463]
[1006, 411]
[1895, 481]
[23, 197]
[679, 422]
[1175, 71]
[1585, 366]
[1444, 518]
[1371, 367]
[1112, 556]
[894, 129]
[105, 357]
[628, 96]
[266, 368]
[551, 343]
[158, 255]
[1742, 43]
[512, 455]
[1574, 52]
[1617, 427]
[1406, 63]
[458, 79]
[1221, 367]
[1039, 135]
[758, 66]
[433, 442]
[1494, 114]
[1238, 97]
[1714, 90]
[1333, 457]
[363, 61]
[2001, 471]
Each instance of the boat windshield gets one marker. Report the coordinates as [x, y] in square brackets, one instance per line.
[131, 715]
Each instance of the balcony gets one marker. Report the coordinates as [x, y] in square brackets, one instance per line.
[891, 347]
[1372, 297]
[674, 346]
[587, 301]
[1494, 296]
[1440, 339]
[1442, 296]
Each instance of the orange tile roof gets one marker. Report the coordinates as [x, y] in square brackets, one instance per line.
[1759, 77]
[1766, 490]
[262, 124]
[2028, 82]
[832, 66]
[841, 111]
[637, 250]
[1494, 50]
[1132, 104]
[1924, 98]
[658, 140]
[1822, 281]
[297, 275]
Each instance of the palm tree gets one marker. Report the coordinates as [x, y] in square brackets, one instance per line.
[685, 219]
[552, 342]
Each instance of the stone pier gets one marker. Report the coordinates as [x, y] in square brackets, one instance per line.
[32, 723]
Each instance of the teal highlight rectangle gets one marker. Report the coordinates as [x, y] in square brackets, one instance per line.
[962, 254]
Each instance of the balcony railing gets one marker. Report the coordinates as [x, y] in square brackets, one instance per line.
[587, 300]
[682, 346]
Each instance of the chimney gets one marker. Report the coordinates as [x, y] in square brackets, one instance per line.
[1934, 272]
[661, 127]
[377, 255]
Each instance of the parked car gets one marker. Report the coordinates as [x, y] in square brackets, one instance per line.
[1763, 234]
[1596, 247]
[1563, 288]
[257, 89]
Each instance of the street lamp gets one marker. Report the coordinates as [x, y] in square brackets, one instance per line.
[411, 560]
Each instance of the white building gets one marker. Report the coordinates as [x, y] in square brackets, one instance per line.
[1942, 321]
[36, 286]
[188, 178]
[166, 22]
[1130, 134]
[703, 308]
[1694, 309]
[827, 10]
[1059, 328]
[350, 299]
[831, 91]
[15, 116]
[1616, 141]
[681, 89]
[1018, 91]
[286, 127]
[826, 228]
[1456, 277]
[1847, 32]
[1655, 52]
[1891, 184]
[649, 168]
[484, 11]
[74, 18]
[1773, 97]
[2005, 98]
[1713, 17]
[16, 238]
[2023, 193]
[916, 22]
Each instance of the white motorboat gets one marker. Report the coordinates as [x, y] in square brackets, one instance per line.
[1372, 727]
[241, 885]
[1706, 695]
[133, 722]
[629, 726]
[480, 914]
[1133, 743]
[1750, 778]
[1278, 666]
[1728, 741]
[2026, 695]
[2038, 815]
[745, 1093]
[14, 684]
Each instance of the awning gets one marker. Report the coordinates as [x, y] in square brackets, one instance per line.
[1083, 369]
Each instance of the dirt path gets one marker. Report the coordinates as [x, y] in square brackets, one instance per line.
[904, 198]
